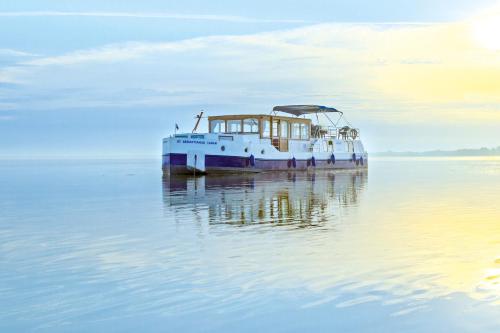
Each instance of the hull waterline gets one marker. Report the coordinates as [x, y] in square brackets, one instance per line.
[177, 164]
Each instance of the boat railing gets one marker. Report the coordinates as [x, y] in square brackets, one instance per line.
[333, 132]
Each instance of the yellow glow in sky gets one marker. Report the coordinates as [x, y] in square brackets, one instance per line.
[486, 29]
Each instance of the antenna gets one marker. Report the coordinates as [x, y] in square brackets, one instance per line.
[197, 121]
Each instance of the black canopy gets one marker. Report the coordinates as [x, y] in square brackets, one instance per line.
[299, 110]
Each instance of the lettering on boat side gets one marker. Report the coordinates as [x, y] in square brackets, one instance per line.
[198, 142]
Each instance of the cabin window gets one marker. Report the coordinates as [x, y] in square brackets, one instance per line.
[284, 129]
[276, 126]
[217, 126]
[233, 126]
[304, 131]
[295, 131]
[266, 128]
[251, 125]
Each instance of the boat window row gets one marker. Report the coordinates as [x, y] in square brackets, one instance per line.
[276, 128]
[250, 125]
[284, 129]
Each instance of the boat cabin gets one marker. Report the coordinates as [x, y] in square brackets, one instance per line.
[279, 129]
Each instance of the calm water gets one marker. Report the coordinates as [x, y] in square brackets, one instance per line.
[105, 246]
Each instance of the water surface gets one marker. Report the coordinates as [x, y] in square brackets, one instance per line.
[100, 246]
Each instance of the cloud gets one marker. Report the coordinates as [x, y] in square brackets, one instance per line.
[146, 15]
[195, 17]
[118, 52]
[9, 57]
[389, 72]
[16, 53]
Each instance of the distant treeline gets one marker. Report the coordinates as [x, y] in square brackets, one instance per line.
[460, 152]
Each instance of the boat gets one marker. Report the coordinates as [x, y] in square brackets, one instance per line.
[285, 139]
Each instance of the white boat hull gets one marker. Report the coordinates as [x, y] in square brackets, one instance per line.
[215, 153]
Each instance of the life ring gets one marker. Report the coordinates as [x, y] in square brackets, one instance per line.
[353, 157]
[252, 160]
[294, 162]
[313, 161]
[332, 159]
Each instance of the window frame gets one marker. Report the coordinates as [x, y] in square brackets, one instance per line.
[286, 123]
[265, 121]
[219, 122]
[255, 131]
[277, 123]
[305, 129]
[234, 121]
[295, 131]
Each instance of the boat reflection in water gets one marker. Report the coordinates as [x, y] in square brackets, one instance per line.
[298, 199]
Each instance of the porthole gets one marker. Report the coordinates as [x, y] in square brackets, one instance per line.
[262, 151]
[222, 148]
[246, 150]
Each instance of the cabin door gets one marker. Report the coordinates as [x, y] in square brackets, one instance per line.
[280, 134]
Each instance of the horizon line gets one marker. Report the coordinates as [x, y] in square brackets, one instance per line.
[151, 156]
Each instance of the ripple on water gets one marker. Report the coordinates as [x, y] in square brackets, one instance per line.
[409, 240]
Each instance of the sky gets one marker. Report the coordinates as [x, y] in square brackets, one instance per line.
[111, 79]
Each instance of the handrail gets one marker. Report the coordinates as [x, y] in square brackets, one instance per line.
[344, 132]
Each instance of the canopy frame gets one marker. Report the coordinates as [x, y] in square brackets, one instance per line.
[300, 110]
